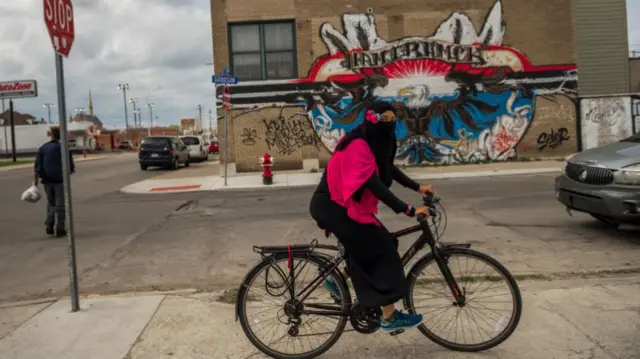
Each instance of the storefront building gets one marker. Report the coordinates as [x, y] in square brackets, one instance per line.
[475, 81]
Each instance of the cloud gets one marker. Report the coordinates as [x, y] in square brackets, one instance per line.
[160, 48]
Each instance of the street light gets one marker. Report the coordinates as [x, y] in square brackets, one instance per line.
[48, 106]
[124, 87]
[136, 115]
[150, 106]
[133, 103]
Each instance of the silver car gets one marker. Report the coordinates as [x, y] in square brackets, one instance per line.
[198, 147]
[604, 182]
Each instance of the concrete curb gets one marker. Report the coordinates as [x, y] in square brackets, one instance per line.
[298, 180]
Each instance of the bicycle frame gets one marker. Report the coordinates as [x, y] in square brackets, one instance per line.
[427, 238]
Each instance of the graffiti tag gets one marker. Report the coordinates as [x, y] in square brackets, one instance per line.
[249, 136]
[553, 139]
[286, 135]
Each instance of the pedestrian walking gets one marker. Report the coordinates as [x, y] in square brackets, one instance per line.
[48, 171]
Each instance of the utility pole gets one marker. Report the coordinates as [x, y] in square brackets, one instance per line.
[124, 87]
[150, 106]
[200, 116]
[48, 106]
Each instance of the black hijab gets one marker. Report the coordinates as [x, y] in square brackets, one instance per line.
[380, 137]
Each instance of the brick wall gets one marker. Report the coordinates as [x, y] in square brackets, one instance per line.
[539, 30]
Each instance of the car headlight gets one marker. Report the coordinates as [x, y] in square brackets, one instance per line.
[629, 175]
[566, 162]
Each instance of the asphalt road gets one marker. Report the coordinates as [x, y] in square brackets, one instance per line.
[33, 264]
[141, 242]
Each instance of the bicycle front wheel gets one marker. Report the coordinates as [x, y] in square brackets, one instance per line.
[491, 300]
[266, 320]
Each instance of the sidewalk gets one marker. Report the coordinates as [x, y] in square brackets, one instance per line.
[213, 182]
[200, 326]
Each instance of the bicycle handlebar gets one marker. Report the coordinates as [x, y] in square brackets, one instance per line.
[430, 200]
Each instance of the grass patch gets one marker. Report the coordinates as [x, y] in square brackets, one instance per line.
[314, 170]
[11, 163]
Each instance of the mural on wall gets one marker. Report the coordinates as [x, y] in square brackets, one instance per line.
[461, 95]
[605, 120]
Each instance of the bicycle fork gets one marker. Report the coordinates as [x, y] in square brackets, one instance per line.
[458, 294]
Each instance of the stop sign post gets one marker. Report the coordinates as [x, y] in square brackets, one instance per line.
[58, 17]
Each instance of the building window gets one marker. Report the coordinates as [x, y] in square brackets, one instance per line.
[263, 51]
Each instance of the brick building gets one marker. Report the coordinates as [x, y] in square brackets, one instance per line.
[479, 80]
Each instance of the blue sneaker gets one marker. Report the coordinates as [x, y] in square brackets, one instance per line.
[330, 284]
[400, 321]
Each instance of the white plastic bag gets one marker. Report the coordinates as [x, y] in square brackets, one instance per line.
[31, 195]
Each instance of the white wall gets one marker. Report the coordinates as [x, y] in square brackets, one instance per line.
[605, 120]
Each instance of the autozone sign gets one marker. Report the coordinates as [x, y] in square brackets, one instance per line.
[19, 89]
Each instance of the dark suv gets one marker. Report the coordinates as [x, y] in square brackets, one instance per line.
[163, 151]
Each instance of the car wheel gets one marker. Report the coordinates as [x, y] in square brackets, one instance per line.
[143, 167]
[175, 164]
[606, 220]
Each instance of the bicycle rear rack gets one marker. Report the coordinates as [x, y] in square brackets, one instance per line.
[295, 248]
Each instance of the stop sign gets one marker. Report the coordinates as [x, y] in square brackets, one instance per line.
[58, 16]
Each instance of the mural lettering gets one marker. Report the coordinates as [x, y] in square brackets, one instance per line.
[460, 95]
[413, 50]
[553, 139]
[288, 134]
[249, 136]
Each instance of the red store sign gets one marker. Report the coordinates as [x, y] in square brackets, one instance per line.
[19, 89]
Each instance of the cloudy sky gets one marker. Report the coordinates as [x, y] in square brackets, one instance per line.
[159, 47]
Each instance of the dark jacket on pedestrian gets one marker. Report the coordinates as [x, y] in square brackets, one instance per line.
[48, 164]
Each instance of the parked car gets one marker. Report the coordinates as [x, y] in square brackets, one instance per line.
[198, 147]
[125, 145]
[163, 151]
[214, 147]
[604, 182]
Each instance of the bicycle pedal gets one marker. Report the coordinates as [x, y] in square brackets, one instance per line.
[399, 331]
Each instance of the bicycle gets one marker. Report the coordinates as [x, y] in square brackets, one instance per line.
[298, 304]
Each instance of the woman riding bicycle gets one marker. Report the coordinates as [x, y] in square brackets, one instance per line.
[345, 203]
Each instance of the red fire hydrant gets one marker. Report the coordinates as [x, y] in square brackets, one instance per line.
[266, 162]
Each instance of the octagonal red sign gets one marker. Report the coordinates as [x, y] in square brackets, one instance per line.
[58, 17]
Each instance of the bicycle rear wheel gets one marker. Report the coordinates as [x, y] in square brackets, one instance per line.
[266, 287]
[430, 295]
